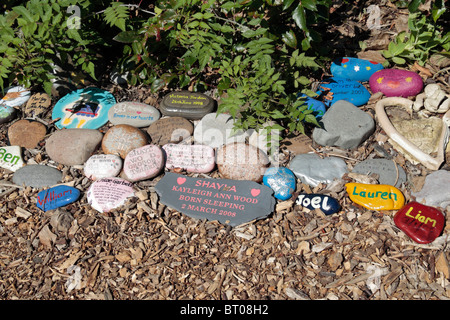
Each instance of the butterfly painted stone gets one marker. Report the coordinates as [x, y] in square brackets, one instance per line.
[354, 68]
[396, 83]
[56, 197]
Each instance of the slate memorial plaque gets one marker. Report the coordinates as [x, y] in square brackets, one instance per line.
[231, 202]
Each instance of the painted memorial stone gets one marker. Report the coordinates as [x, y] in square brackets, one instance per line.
[386, 170]
[396, 83]
[72, 146]
[170, 130]
[297, 144]
[281, 180]
[135, 114]
[143, 163]
[186, 104]
[11, 158]
[56, 197]
[26, 133]
[37, 105]
[318, 107]
[192, 158]
[376, 196]
[37, 176]
[421, 223]
[7, 113]
[327, 204]
[107, 194]
[84, 108]
[123, 138]
[101, 166]
[436, 189]
[354, 68]
[230, 202]
[15, 96]
[335, 89]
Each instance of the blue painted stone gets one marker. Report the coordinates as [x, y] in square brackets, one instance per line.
[343, 89]
[317, 106]
[327, 204]
[354, 68]
[56, 197]
[281, 180]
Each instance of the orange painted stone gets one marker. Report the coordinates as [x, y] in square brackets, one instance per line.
[376, 196]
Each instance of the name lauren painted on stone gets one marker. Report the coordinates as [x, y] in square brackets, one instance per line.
[373, 195]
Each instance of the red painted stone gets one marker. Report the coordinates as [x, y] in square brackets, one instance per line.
[421, 223]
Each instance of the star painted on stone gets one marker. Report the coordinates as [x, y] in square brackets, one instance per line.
[409, 79]
[368, 68]
[380, 79]
[356, 68]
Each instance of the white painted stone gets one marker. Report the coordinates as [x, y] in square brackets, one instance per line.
[192, 158]
[11, 158]
[143, 163]
[102, 166]
[107, 194]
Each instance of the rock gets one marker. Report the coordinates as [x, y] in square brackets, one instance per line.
[327, 204]
[56, 197]
[123, 138]
[421, 223]
[192, 158]
[317, 106]
[84, 108]
[37, 176]
[345, 126]
[170, 130]
[216, 130]
[27, 134]
[135, 114]
[72, 146]
[375, 196]
[186, 104]
[297, 144]
[384, 168]
[281, 180]
[15, 96]
[107, 194]
[101, 166]
[7, 113]
[336, 89]
[11, 158]
[230, 202]
[396, 83]
[354, 68]
[312, 170]
[241, 161]
[436, 190]
[37, 105]
[434, 99]
[143, 163]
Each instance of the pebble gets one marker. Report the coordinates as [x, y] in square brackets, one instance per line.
[143, 163]
[11, 158]
[354, 68]
[170, 130]
[436, 190]
[56, 197]
[327, 204]
[15, 96]
[216, 130]
[186, 104]
[312, 170]
[281, 180]
[385, 169]
[192, 158]
[123, 138]
[345, 126]
[421, 223]
[72, 146]
[241, 161]
[376, 196]
[135, 114]
[101, 166]
[27, 134]
[37, 176]
[317, 106]
[37, 105]
[396, 83]
[336, 89]
[7, 113]
[107, 194]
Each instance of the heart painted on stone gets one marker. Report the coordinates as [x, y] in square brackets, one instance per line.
[138, 112]
[255, 192]
[181, 180]
[393, 84]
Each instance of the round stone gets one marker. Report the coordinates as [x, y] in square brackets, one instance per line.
[241, 161]
[135, 114]
[281, 180]
[170, 130]
[37, 105]
[143, 163]
[15, 96]
[107, 194]
[37, 176]
[396, 83]
[192, 158]
[101, 166]
[123, 138]
[26, 133]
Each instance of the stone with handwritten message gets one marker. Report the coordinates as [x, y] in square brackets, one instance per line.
[56, 197]
[186, 104]
[192, 158]
[133, 113]
[335, 89]
[37, 105]
[123, 138]
[101, 166]
[170, 130]
[107, 194]
[327, 204]
[228, 201]
[143, 163]
[376, 196]
[281, 180]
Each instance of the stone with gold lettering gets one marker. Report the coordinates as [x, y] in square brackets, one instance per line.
[376, 196]
[186, 104]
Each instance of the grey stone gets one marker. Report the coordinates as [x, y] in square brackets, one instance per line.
[436, 190]
[135, 114]
[37, 176]
[384, 168]
[186, 104]
[345, 126]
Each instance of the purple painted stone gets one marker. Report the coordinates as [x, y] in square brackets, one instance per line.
[396, 83]
[143, 163]
[192, 158]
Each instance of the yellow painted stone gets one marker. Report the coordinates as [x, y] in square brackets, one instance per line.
[376, 196]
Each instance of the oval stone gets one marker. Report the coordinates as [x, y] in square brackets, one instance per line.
[421, 223]
[56, 197]
[123, 138]
[27, 134]
[37, 176]
[376, 196]
[11, 158]
[107, 194]
[15, 96]
[192, 158]
[135, 114]
[7, 113]
[354, 68]
[281, 180]
[72, 146]
[143, 163]
[186, 104]
[396, 83]
[101, 166]
[335, 89]
[327, 204]
[37, 105]
[388, 171]
[170, 130]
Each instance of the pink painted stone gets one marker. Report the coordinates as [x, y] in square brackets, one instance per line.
[192, 158]
[107, 194]
[101, 166]
[143, 163]
[396, 83]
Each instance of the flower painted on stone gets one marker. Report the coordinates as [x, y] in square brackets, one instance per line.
[380, 79]
[409, 79]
